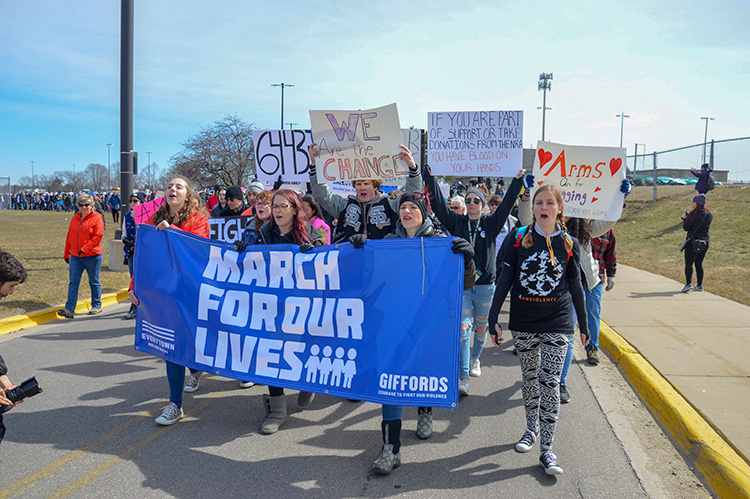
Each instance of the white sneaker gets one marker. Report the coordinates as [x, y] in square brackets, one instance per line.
[246, 384]
[463, 387]
[192, 382]
[170, 415]
[476, 369]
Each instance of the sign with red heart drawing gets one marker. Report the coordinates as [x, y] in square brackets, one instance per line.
[589, 178]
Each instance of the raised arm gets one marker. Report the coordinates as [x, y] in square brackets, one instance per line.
[493, 224]
[330, 201]
[439, 205]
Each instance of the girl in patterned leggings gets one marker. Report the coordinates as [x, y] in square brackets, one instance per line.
[542, 272]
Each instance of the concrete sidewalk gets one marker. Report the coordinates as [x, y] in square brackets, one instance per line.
[699, 343]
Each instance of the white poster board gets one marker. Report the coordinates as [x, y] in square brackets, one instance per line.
[475, 143]
[281, 152]
[356, 145]
[412, 139]
[589, 178]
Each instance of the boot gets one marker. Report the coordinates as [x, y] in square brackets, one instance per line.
[131, 313]
[304, 398]
[275, 413]
[390, 456]
[424, 422]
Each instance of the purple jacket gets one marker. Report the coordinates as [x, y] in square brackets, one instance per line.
[702, 185]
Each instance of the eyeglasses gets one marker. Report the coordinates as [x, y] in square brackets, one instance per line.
[494, 204]
[84, 205]
[280, 207]
[134, 201]
[473, 200]
[455, 208]
[259, 204]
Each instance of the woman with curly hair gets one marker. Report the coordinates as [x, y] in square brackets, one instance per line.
[183, 210]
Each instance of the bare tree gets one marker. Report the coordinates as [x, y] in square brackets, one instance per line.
[96, 176]
[222, 152]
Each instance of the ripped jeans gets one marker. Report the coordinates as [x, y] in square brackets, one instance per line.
[474, 312]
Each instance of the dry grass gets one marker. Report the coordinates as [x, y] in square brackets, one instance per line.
[649, 236]
[37, 239]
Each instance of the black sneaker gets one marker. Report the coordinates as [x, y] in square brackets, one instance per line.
[548, 461]
[564, 395]
[593, 359]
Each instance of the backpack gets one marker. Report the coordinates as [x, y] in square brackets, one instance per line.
[522, 232]
[711, 182]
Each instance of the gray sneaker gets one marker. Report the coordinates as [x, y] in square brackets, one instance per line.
[192, 382]
[698, 288]
[170, 415]
[387, 461]
[687, 288]
[424, 424]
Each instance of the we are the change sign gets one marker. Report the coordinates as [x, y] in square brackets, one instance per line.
[358, 145]
[589, 178]
[282, 152]
[475, 143]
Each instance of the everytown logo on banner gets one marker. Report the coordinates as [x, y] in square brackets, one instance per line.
[589, 178]
[315, 321]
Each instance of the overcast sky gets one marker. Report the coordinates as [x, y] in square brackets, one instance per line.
[665, 64]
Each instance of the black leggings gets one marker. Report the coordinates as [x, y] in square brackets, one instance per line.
[694, 258]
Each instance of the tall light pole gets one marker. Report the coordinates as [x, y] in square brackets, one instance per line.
[33, 183]
[149, 168]
[545, 83]
[622, 124]
[282, 85]
[109, 170]
[705, 137]
[291, 125]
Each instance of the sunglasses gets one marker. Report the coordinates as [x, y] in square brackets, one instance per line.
[473, 200]
[455, 208]
[84, 205]
[494, 204]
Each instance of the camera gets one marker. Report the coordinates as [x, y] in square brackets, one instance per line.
[28, 388]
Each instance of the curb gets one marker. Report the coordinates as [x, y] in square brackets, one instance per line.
[38, 317]
[725, 471]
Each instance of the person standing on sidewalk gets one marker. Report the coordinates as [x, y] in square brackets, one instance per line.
[541, 270]
[83, 250]
[128, 239]
[696, 222]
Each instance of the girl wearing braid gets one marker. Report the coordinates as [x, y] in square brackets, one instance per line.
[542, 272]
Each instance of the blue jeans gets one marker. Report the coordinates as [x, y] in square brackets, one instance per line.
[593, 310]
[392, 412]
[176, 379]
[92, 264]
[474, 311]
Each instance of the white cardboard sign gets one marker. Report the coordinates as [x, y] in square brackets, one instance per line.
[589, 178]
[282, 152]
[475, 143]
[359, 144]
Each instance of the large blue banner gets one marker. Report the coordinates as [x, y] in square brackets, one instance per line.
[379, 324]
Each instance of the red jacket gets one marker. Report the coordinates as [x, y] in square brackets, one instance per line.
[212, 201]
[197, 224]
[85, 235]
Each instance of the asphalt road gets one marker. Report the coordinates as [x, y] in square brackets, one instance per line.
[91, 434]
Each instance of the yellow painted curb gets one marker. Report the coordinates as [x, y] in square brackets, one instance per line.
[18, 322]
[726, 472]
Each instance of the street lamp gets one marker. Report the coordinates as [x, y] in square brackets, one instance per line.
[109, 171]
[33, 184]
[148, 175]
[622, 124]
[705, 137]
[545, 83]
[291, 125]
[282, 85]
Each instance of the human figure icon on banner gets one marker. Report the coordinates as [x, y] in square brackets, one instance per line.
[312, 365]
[350, 368]
[325, 365]
[338, 367]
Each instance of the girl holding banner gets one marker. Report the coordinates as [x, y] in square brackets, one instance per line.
[288, 224]
[481, 231]
[183, 210]
[414, 222]
[541, 269]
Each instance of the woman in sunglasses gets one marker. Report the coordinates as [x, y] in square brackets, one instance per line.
[83, 251]
[481, 231]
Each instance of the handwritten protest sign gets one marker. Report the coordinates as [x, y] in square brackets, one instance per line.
[282, 152]
[589, 177]
[475, 143]
[143, 212]
[357, 145]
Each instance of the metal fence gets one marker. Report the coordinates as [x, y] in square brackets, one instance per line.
[730, 155]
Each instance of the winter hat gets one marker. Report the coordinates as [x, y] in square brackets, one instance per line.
[700, 200]
[255, 187]
[234, 192]
[140, 195]
[417, 198]
[478, 193]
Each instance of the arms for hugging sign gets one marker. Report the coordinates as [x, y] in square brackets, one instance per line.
[378, 324]
[358, 145]
[589, 178]
[475, 143]
[282, 152]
